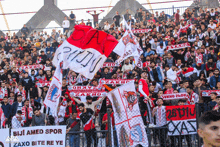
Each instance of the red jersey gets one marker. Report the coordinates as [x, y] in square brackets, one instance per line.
[105, 117]
[144, 87]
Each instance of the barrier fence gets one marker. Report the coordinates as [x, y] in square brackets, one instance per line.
[168, 11]
[157, 136]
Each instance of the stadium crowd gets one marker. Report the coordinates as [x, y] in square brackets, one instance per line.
[191, 70]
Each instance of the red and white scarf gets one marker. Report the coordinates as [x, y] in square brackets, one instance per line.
[24, 116]
[199, 58]
[191, 99]
[3, 92]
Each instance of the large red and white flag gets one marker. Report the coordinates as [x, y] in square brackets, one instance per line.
[181, 120]
[128, 121]
[86, 50]
[128, 46]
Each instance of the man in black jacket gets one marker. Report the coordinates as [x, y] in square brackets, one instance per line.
[178, 54]
[27, 83]
[14, 74]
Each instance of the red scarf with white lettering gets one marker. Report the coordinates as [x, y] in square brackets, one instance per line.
[24, 116]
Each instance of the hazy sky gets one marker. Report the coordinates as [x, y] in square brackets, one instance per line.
[16, 21]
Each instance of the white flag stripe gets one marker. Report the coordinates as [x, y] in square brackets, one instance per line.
[84, 61]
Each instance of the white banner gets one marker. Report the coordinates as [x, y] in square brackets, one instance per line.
[109, 64]
[4, 133]
[128, 47]
[128, 121]
[24, 67]
[79, 88]
[141, 31]
[116, 81]
[178, 46]
[175, 96]
[43, 83]
[40, 136]
[87, 93]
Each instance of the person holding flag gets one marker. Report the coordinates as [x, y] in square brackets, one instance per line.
[86, 116]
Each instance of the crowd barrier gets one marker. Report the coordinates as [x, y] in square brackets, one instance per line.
[168, 11]
[157, 136]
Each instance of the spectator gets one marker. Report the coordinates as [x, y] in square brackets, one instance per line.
[95, 17]
[7, 110]
[177, 17]
[39, 119]
[70, 109]
[27, 112]
[17, 120]
[106, 74]
[127, 14]
[17, 105]
[127, 67]
[25, 30]
[65, 24]
[74, 139]
[193, 97]
[156, 74]
[160, 113]
[214, 79]
[89, 103]
[116, 19]
[89, 127]
[89, 23]
[72, 18]
[82, 22]
[105, 122]
[27, 83]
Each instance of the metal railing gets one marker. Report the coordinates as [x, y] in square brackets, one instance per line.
[168, 11]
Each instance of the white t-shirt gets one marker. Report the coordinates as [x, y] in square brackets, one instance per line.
[160, 50]
[212, 26]
[19, 106]
[66, 24]
[127, 67]
[157, 88]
